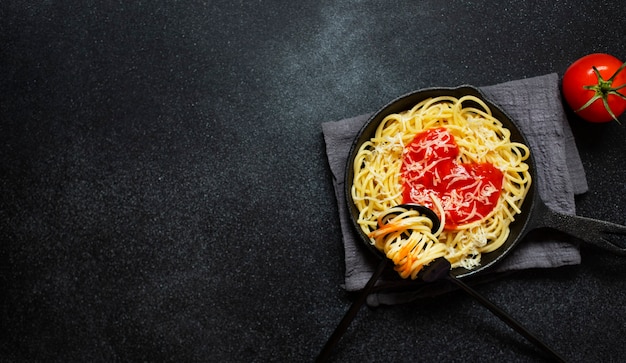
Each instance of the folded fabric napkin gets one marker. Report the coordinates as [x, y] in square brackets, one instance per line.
[535, 105]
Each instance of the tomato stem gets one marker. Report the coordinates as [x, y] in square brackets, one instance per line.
[603, 89]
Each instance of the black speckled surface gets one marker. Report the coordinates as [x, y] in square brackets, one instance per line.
[164, 193]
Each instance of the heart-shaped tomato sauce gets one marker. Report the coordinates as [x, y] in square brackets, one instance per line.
[468, 191]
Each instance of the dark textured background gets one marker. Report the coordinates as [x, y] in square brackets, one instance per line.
[164, 192]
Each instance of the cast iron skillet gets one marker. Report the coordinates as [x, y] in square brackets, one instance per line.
[535, 215]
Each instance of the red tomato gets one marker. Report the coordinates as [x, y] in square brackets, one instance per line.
[582, 84]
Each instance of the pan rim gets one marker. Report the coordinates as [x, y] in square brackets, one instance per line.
[518, 228]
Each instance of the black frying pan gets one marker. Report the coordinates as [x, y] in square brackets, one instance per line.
[535, 215]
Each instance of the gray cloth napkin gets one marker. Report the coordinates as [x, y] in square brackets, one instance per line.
[535, 105]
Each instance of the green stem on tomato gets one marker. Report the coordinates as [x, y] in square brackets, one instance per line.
[603, 89]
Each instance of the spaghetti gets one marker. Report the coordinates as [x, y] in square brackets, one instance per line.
[458, 161]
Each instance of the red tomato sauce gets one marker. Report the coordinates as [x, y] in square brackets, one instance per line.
[468, 192]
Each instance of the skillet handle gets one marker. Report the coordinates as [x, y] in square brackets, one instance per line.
[599, 233]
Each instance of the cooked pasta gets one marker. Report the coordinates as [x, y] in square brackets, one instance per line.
[457, 160]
